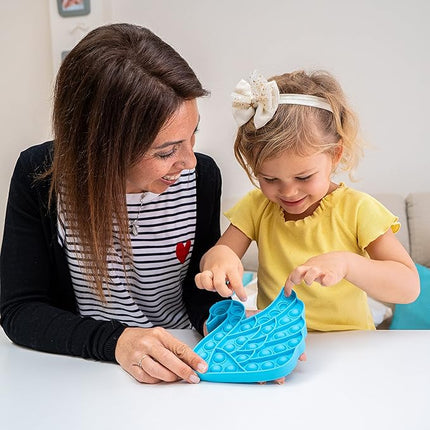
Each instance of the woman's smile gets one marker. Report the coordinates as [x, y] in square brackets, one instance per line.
[170, 154]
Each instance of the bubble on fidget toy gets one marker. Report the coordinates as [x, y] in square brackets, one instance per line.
[263, 347]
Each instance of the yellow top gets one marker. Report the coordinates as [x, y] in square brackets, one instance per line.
[345, 220]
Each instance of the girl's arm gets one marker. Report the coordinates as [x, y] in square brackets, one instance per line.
[221, 268]
[198, 302]
[388, 275]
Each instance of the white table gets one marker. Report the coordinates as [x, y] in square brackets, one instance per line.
[351, 380]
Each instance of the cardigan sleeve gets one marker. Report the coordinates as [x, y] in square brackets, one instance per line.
[37, 303]
[199, 301]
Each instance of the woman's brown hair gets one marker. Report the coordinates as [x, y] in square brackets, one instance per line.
[114, 92]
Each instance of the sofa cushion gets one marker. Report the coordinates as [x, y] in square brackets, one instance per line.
[418, 209]
[416, 315]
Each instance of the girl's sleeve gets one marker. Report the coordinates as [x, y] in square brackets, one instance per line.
[373, 220]
[245, 214]
[37, 303]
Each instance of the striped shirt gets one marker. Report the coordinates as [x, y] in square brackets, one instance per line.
[149, 293]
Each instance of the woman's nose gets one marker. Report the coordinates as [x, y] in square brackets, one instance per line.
[187, 157]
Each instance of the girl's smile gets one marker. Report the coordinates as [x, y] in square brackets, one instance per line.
[297, 183]
[292, 203]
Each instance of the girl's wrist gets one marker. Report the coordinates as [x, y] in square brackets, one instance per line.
[351, 261]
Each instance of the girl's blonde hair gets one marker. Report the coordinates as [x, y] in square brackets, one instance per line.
[303, 129]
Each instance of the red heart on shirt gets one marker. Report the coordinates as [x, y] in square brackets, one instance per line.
[182, 250]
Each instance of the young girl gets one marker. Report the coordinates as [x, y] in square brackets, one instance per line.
[333, 244]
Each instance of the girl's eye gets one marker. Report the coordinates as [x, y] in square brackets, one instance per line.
[269, 180]
[304, 178]
[164, 155]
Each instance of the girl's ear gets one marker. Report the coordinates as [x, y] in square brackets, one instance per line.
[338, 152]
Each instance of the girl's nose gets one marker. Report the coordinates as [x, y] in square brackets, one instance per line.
[288, 190]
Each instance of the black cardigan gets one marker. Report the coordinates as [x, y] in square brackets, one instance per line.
[38, 307]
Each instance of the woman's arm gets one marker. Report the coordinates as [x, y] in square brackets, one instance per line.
[38, 308]
[37, 304]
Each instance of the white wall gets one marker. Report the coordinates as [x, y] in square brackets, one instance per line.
[30, 58]
[25, 83]
[377, 49]
[66, 32]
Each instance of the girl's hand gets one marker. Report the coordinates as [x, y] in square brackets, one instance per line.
[153, 355]
[326, 269]
[222, 271]
[280, 381]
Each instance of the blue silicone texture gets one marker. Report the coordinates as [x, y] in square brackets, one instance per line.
[260, 348]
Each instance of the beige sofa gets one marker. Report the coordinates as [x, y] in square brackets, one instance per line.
[414, 235]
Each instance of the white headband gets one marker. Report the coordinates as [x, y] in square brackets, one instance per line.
[260, 99]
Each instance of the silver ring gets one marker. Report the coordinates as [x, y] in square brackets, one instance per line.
[139, 364]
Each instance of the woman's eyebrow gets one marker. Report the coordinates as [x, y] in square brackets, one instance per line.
[176, 142]
[165, 144]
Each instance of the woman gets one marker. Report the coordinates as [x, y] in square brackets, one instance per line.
[106, 225]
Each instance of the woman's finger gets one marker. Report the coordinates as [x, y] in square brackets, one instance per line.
[153, 355]
[138, 372]
[157, 371]
[180, 359]
[142, 376]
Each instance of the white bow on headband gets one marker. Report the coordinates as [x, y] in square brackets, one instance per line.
[257, 98]
[260, 99]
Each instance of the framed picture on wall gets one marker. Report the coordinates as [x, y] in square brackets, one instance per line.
[67, 8]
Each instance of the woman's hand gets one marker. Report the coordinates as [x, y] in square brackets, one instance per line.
[222, 271]
[153, 355]
[326, 269]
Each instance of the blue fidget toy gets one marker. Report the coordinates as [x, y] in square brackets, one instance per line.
[263, 347]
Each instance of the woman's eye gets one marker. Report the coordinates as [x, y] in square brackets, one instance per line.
[167, 154]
